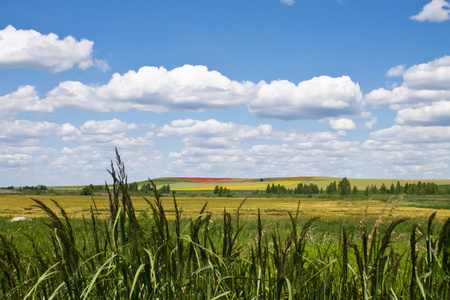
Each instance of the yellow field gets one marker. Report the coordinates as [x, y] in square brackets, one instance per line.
[288, 182]
[236, 185]
[77, 206]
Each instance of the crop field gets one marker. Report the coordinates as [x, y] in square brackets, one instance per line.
[327, 209]
[115, 246]
[139, 250]
[200, 183]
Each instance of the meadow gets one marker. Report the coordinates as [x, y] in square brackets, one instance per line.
[115, 246]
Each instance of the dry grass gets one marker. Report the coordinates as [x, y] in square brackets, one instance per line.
[77, 206]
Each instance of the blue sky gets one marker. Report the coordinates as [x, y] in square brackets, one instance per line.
[249, 88]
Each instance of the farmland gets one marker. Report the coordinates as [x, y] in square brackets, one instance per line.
[196, 183]
[327, 209]
[162, 249]
[113, 245]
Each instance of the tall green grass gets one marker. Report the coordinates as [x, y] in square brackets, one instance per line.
[149, 257]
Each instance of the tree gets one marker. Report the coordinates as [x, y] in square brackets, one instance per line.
[383, 189]
[216, 190]
[165, 189]
[146, 188]
[133, 187]
[344, 187]
[87, 191]
[331, 188]
[355, 190]
[398, 188]
[268, 189]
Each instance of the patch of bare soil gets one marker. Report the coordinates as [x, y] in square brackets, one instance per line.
[5, 191]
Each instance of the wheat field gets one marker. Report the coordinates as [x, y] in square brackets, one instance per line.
[79, 206]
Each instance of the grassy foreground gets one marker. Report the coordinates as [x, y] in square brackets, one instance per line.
[152, 256]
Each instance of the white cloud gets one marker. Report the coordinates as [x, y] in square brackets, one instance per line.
[422, 85]
[438, 113]
[102, 65]
[215, 132]
[85, 163]
[342, 124]
[396, 71]
[413, 134]
[192, 88]
[231, 149]
[435, 11]
[288, 2]
[369, 125]
[434, 75]
[25, 99]
[195, 88]
[67, 129]
[15, 159]
[403, 97]
[31, 49]
[318, 98]
[108, 133]
[22, 129]
[106, 127]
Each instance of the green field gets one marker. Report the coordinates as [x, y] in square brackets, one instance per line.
[117, 246]
[289, 182]
[263, 248]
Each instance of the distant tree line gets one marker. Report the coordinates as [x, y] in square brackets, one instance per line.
[428, 188]
[7, 188]
[34, 188]
[301, 188]
[222, 192]
[133, 188]
[344, 187]
[90, 189]
[146, 188]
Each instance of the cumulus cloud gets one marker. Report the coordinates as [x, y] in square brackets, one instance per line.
[434, 75]
[85, 163]
[110, 133]
[195, 88]
[422, 85]
[396, 71]
[215, 132]
[436, 114]
[192, 88]
[342, 124]
[230, 149]
[318, 98]
[25, 99]
[106, 127]
[15, 159]
[413, 134]
[22, 129]
[435, 11]
[31, 49]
